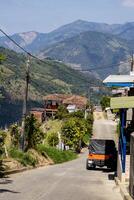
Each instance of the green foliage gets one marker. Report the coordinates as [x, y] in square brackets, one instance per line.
[2, 151]
[62, 112]
[105, 102]
[56, 155]
[24, 158]
[34, 135]
[15, 135]
[118, 128]
[2, 58]
[2, 142]
[52, 139]
[73, 131]
[76, 130]
[79, 114]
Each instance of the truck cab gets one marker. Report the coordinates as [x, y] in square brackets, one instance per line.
[102, 153]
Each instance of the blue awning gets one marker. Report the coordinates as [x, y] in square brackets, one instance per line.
[119, 81]
[119, 84]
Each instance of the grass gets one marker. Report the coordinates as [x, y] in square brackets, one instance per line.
[86, 139]
[52, 126]
[26, 159]
[56, 155]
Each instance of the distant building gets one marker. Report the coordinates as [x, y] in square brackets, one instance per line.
[38, 114]
[71, 102]
[71, 108]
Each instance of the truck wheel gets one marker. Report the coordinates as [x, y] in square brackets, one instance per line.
[87, 167]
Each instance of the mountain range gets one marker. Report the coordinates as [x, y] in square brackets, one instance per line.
[80, 44]
[34, 41]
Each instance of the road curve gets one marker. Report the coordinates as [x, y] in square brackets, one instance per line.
[68, 181]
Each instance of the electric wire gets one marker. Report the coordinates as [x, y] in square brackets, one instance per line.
[43, 61]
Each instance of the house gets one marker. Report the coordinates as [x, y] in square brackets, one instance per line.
[38, 114]
[53, 101]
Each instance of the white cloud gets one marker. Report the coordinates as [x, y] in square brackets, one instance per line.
[128, 3]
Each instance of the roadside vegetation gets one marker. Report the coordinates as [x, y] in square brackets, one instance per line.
[105, 102]
[55, 141]
[58, 156]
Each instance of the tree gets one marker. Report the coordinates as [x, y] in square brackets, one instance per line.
[34, 135]
[105, 102]
[15, 135]
[62, 112]
[79, 114]
[73, 132]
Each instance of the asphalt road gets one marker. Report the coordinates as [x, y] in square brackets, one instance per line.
[68, 181]
[103, 129]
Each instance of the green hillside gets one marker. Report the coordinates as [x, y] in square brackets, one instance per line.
[45, 78]
[91, 49]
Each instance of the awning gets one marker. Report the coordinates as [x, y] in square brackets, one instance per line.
[119, 81]
[122, 102]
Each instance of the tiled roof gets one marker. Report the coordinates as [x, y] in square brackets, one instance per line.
[68, 99]
[57, 97]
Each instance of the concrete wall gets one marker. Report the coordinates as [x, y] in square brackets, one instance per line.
[131, 179]
[120, 175]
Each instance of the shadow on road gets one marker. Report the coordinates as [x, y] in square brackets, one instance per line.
[4, 181]
[111, 173]
[10, 191]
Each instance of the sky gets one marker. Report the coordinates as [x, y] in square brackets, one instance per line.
[46, 15]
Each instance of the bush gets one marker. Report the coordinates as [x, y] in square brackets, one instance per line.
[24, 158]
[73, 132]
[105, 102]
[2, 142]
[15, 135]
[34, 135]
[56, 155]
[61, 113]
[52, 139]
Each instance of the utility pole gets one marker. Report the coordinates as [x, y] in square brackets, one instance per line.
[132, 63]
[24, 112]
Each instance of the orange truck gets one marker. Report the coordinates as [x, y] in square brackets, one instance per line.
[102, 153]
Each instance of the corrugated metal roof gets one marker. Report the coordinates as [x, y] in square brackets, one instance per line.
[122, 102]
[119, 79]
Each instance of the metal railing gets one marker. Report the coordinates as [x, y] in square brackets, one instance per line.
[122, 144]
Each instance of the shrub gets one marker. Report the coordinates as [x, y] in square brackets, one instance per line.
[56, 155]
[61, 113]
[24, 158]
[15, 135]
[73, 132]
[105, 102]
[52, 139]
[2, 142]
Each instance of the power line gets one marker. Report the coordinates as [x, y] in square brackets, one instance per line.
[15, 42]
[42, 61]
[104, 67]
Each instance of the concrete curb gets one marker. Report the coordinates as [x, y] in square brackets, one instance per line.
[18, 170]
[15, 171]
[124, 193]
